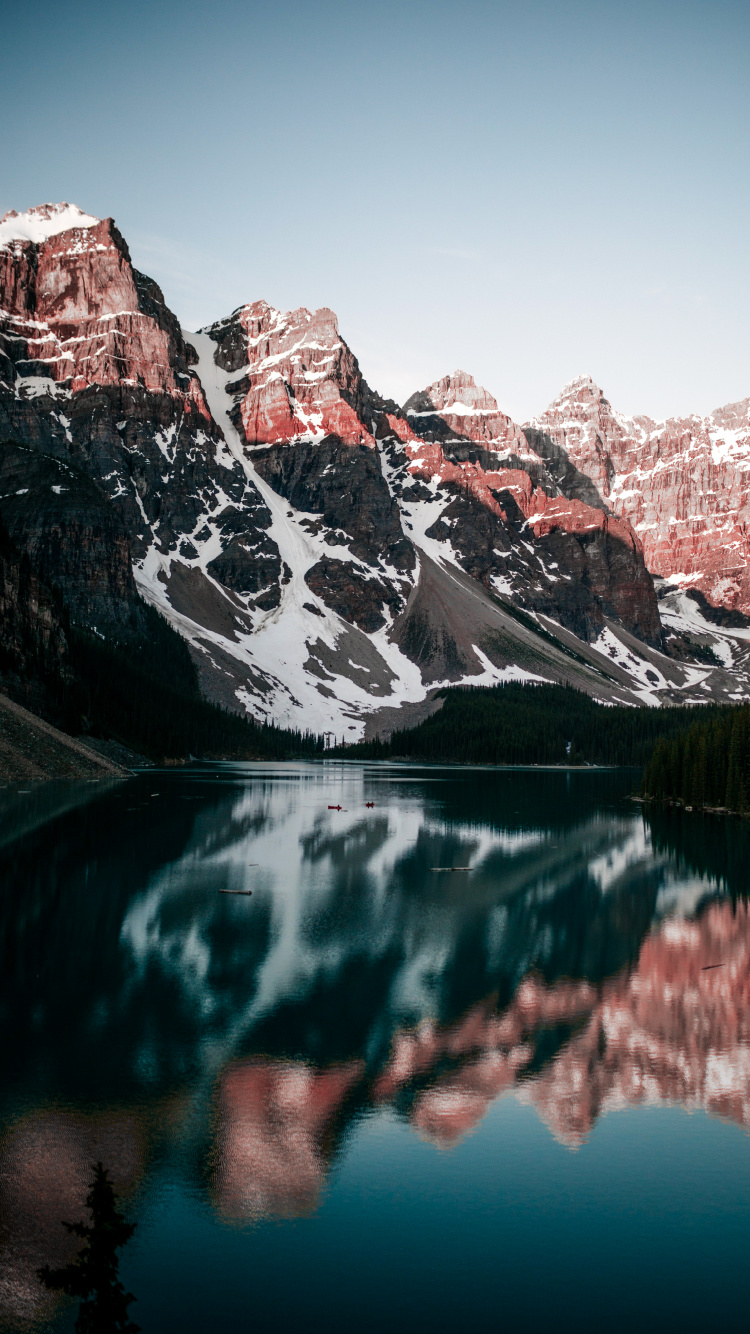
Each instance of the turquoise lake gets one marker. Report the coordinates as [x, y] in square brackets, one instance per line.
[474, 1052]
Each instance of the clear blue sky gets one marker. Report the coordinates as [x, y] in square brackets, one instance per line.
[527, 191]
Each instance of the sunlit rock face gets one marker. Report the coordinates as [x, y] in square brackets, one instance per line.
[303, 533]
[684, 484]
[455, 471]
[276, 1124]
[306, 418]
[456, 410]
[503, 494]
[298, 378]
[76, 309]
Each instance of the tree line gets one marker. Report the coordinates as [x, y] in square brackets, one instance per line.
[150, 701]
[136, 685]
[520, 723]
[706, 765]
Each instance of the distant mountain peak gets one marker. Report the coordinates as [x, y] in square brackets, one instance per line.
[581, 389]
[45, 220]
[459, 393]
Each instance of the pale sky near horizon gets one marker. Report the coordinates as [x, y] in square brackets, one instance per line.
[528, 191]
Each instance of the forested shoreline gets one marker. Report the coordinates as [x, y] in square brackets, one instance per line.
[521, 723]
[705, 767]
[150, 700]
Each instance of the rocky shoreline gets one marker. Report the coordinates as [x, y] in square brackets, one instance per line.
[31, 749]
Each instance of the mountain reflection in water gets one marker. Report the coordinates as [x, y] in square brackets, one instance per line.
[145, 1015]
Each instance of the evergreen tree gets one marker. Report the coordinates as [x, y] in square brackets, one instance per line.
[94, 1275]
[708, 765]
[737, 790]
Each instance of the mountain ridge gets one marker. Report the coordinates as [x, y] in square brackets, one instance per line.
[327, 554]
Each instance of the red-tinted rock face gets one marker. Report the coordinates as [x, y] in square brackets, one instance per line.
[467, 410]
[301, 382]
[683, 484]
[94, 371]
[456, 438]
[74, 300]
[307, 418]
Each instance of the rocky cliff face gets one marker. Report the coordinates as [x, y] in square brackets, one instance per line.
[384, 500]
[328, 556]
[300, 380]
[510, 523]
[305, 417]
[458, 411]
[73, 536]
[94, 372]
[77, 310]
[33, 634]
[684, 484]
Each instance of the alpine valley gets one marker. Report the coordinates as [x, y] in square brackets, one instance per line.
[333, 559]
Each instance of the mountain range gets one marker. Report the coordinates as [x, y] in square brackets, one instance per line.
[332, 558]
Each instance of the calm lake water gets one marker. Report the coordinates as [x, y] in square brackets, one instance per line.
[376, 1095]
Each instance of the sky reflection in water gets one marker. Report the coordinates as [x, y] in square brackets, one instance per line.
[273, 1080]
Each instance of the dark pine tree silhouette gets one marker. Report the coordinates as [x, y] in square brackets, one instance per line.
[94, 1275]
[708, 765]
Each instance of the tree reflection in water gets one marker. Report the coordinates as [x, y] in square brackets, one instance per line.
[94, 1275]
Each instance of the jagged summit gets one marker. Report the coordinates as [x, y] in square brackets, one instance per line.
[581, 389]
[459, 393]
[268, 317]
[682, 484]
[303, 382]
[455, 408]
[45, 220]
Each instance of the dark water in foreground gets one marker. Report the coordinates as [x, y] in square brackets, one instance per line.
[375, 1095]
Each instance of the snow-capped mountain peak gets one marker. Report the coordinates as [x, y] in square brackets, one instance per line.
[459, 393]
[683, 483]
[40, 223]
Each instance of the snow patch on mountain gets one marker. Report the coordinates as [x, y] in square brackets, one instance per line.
[40, 223]
[283, 639]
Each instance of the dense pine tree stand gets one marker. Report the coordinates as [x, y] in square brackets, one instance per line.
[94, 1275]
[706, 766]
[537, 724]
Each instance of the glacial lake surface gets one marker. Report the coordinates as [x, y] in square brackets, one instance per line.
[473, 1054]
